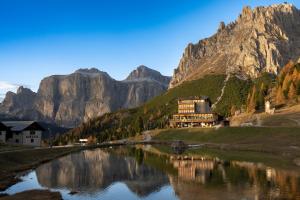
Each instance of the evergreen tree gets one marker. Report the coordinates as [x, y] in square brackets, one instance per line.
[279, 96]
[292, 92]
[298, 87]
[286, 83]
[139, 125]
[260, 100]
[252, 100]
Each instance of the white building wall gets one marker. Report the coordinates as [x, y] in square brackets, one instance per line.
[3, 136]
[17, 138]
[32, 138]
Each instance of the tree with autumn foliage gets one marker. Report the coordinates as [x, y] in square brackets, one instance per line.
[280, 99]
[292, 92]
[288, 83]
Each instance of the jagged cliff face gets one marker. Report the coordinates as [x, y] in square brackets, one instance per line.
[70, 99]
[260, 40]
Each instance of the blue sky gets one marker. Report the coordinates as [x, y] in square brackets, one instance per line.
[42, 38]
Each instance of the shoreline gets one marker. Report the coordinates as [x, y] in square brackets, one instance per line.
[12, 163]
[9, 177]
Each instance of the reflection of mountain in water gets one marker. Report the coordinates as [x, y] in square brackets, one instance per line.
[93, 171]
[214, 179]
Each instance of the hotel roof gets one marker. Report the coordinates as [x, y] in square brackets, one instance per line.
[193, 98]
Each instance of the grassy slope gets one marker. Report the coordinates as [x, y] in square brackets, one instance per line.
[13, 147]
[284, 117]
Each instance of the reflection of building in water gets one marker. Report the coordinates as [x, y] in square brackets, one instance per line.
[286, 184]
[197, 170]
[234, 180]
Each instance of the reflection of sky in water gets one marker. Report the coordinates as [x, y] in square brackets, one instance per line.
[116, 191]
[29, 182]
[102, 175]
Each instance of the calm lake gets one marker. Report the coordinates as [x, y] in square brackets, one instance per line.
[133, 173]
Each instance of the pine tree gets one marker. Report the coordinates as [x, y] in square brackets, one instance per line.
[260, 100]
[295, 75]
[298, 87]
[286, 83]
[139, 125]
[279, 96]
[252, 100]
[292, 92]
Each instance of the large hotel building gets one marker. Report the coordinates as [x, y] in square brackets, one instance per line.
[194, 111]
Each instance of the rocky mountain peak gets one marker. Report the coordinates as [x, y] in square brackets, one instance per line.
[23, 90]
[262, 39]
[93, 72]
[143, 73]
[88, 70]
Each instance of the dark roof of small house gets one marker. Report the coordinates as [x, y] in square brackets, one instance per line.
[3, 127]
[193, 98]
[21, 125]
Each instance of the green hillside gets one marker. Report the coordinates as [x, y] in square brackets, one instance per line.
[157, 112]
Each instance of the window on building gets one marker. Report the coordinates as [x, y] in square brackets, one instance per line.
[32, 132]
[32, 140]
[17, 140]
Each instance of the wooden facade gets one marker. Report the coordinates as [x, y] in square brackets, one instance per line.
[194, 112]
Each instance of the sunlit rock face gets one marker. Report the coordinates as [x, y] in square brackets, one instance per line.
[94, 171]
[68, 100]
[262, 39]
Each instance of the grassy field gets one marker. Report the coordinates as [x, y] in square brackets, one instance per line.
[12, 147]
[288, 116]
[264, 135]
[278, 140]
[275, 146]
[15, 161]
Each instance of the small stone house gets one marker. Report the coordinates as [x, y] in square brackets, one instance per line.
[268, 108]
[3, 132]
[24, 132]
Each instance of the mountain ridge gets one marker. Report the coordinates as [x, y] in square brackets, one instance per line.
[262, 39]
[71, 99]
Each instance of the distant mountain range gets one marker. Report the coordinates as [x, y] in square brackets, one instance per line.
[68, 100]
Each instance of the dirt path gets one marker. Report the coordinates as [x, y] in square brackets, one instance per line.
[222, 91]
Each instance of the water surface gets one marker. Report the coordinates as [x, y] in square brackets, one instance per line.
[131, 173]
